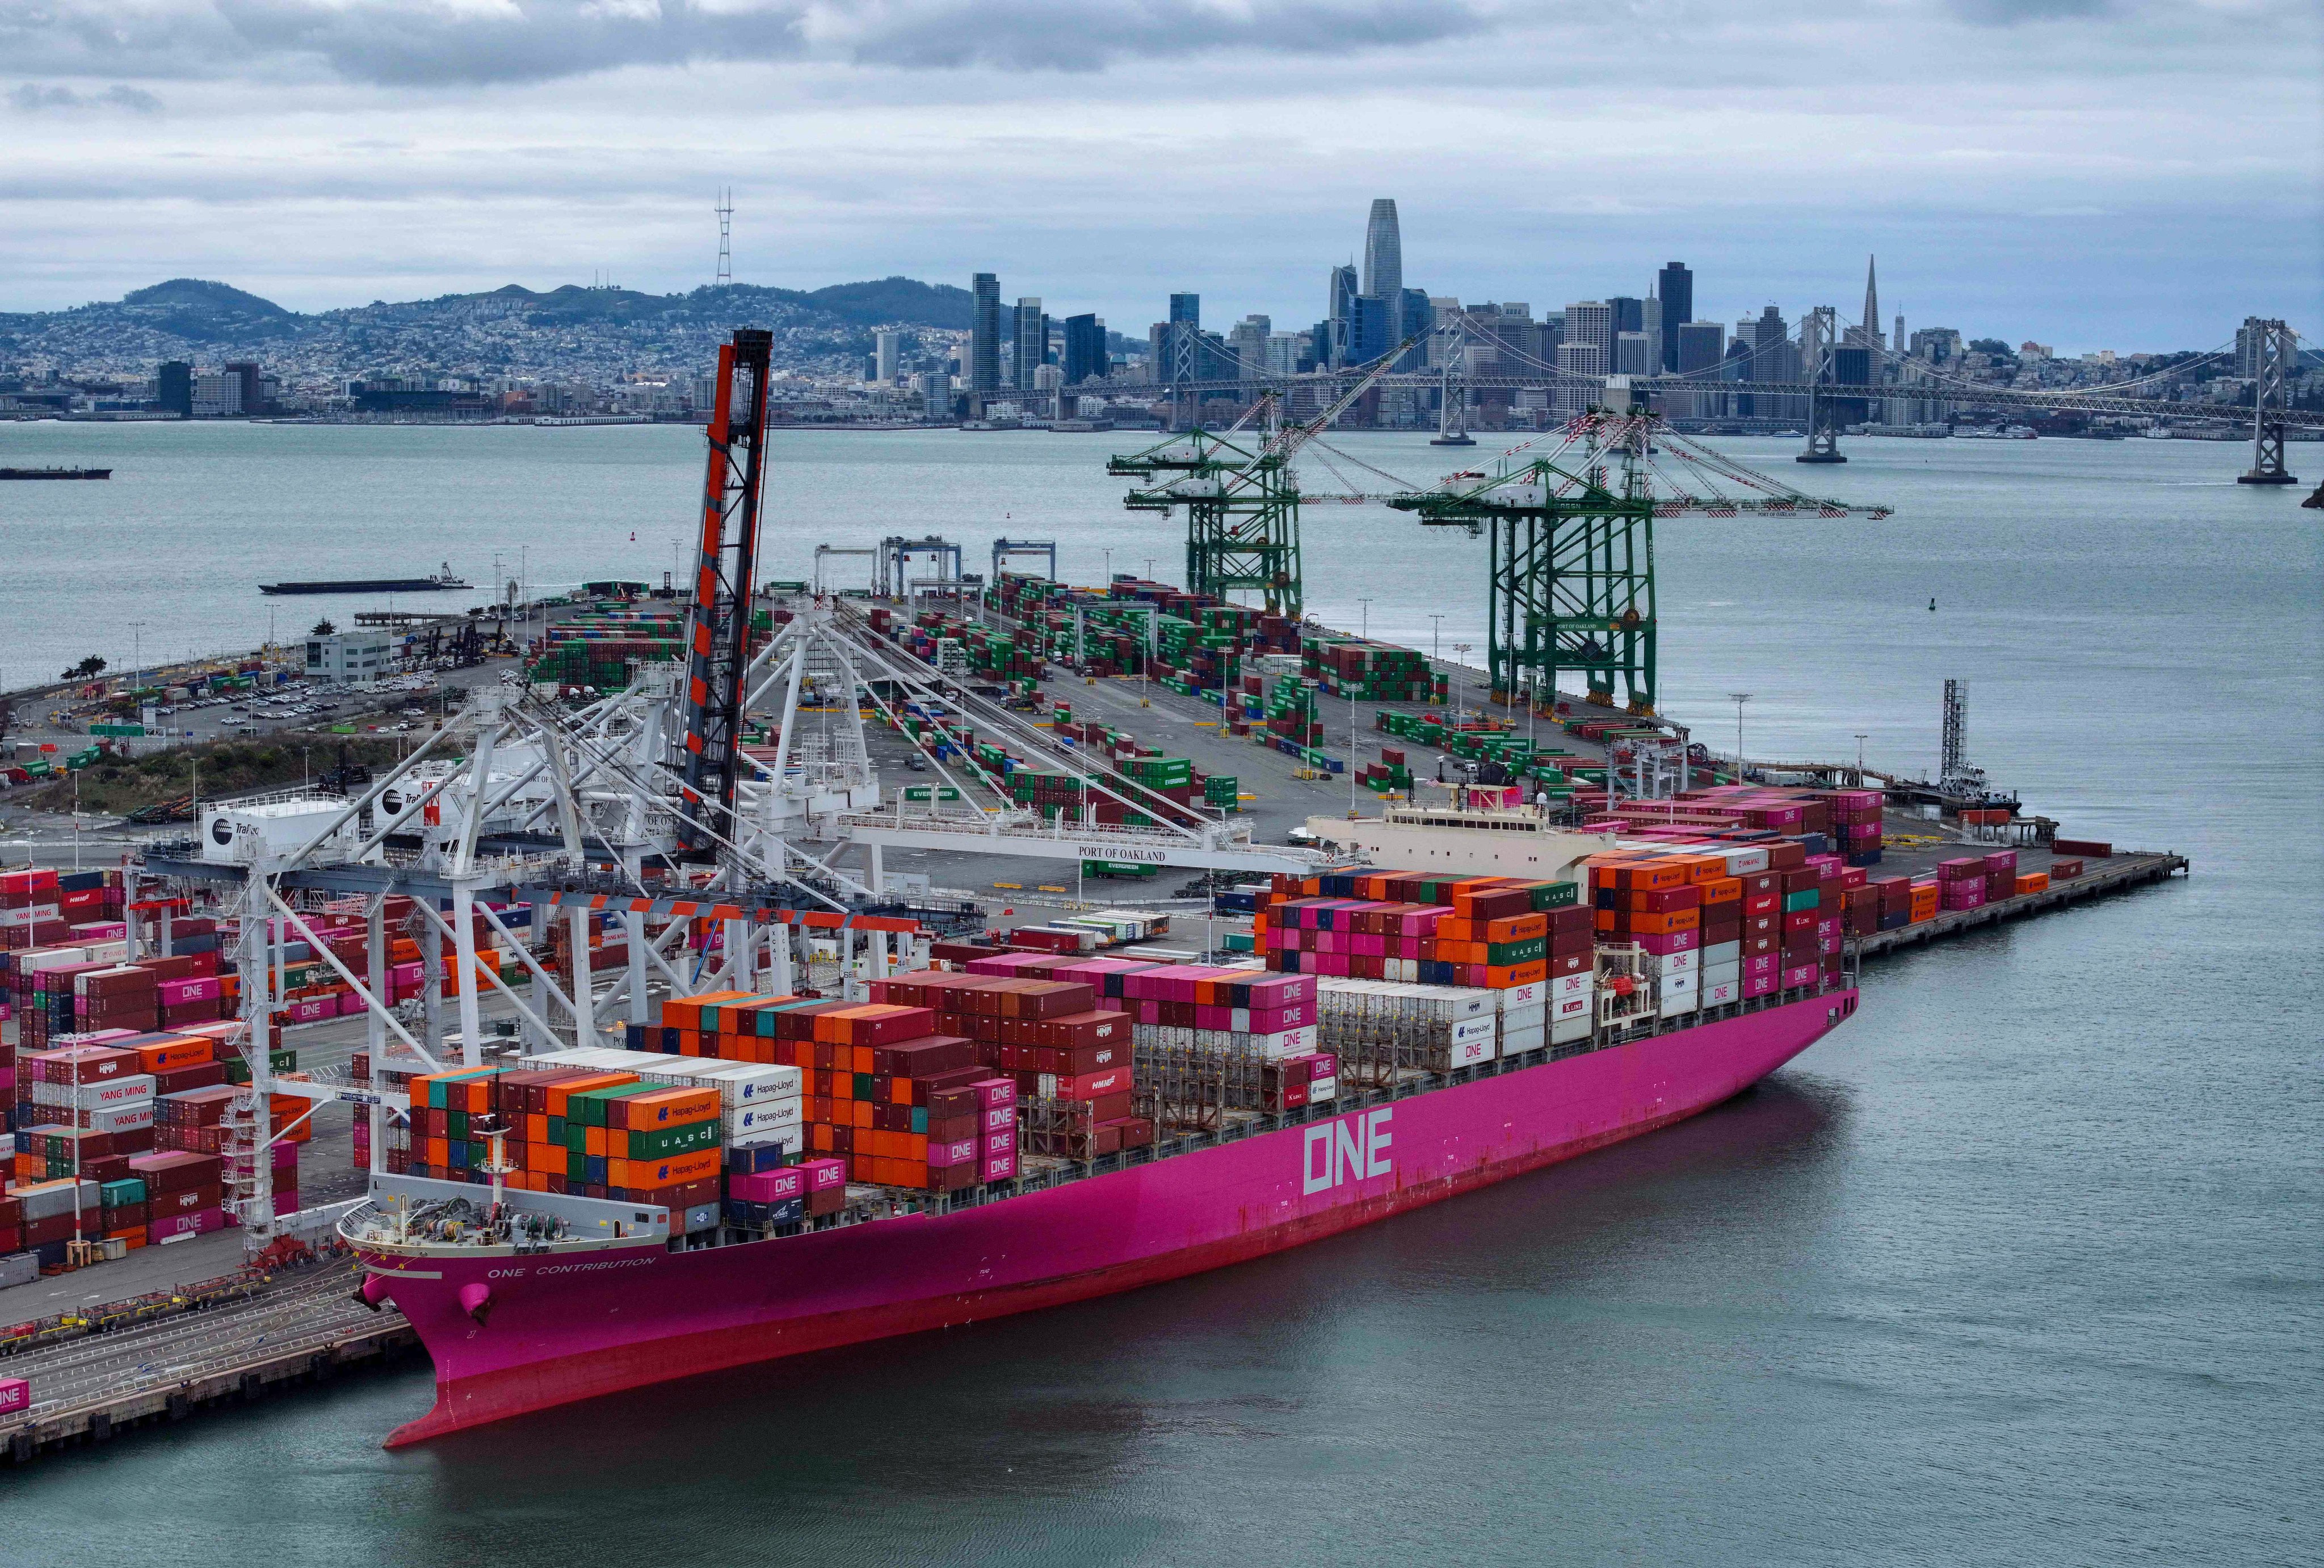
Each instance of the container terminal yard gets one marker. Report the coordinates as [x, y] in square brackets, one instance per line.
[899, 923]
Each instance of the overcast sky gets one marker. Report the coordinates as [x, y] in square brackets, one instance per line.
[2091, 173]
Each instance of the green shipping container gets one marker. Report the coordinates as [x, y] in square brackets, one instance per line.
[1556, 895]
[1499, 953]
[1795, 903]
[665, 1140]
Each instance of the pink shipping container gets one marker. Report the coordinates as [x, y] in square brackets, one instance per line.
[1000, 1167]
[15, 1395]
[200, 1223]
[769, 1186]
[177, 991]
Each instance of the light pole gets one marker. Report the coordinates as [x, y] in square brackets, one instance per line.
[1437, 637]
[1366, 630]
[1460, 670]
[1109, 572]
[1738, 698]
[137, 656]
[1860, 759]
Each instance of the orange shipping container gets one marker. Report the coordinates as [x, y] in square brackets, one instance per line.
[1667, 924]
[2031, 882]
[674, 1170]
[676, 1107]
[164, 1055]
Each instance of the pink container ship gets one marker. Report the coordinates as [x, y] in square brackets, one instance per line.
[556, 1300]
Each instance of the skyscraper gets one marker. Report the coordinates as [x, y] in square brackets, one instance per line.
[984, 334]
[1412, 314]
[1186, 307]
[887, 354]
[1330, 346]
[1871, 307]
[1590, 323]
[1032, 340]
[1579, 365]
[1085, 354]
[1248, 337]
[1369, 329]
[1383, 251]
[173, 388]
[1698, 345]
[1674, 286]
[1774, 355]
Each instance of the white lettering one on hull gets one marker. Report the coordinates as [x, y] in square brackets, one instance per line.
[1347, 1148]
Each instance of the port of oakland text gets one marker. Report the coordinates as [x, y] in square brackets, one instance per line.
[1346, 1148]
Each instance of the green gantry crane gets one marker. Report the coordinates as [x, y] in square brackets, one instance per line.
[1242, 512]
[1570, 557]
[1242, 497]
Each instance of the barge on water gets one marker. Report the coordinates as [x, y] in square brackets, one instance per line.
[56, 472]
[444, 581]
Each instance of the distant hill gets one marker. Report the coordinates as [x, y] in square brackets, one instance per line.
[201, 311]
[897, 300]
[511, 329]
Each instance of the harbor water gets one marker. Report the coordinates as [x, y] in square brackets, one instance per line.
[2020, 1265]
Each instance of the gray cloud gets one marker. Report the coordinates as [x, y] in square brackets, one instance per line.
[388, 42]
[2010, 12]
[32, 98]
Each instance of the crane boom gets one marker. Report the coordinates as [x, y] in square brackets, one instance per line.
[718, 614]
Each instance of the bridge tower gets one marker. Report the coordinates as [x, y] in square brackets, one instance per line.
[1819, 336]
[1452, 403]
[2271, 354]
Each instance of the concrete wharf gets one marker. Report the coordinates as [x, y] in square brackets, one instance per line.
[99, 1371]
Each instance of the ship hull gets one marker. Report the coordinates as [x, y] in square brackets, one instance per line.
[555, 1331]
[365, 585]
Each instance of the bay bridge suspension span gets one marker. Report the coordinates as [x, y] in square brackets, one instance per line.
[2267, 412]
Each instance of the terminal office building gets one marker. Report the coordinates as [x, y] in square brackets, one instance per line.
[406, 397]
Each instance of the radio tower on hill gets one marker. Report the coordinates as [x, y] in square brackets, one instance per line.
[725, 210]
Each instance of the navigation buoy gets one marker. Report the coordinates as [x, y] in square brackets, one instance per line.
[1932, 606]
